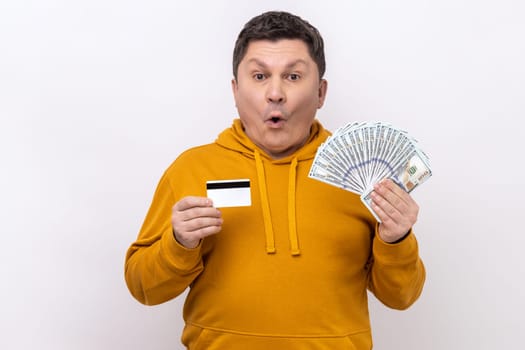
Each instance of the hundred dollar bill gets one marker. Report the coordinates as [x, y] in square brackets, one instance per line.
[408, 175]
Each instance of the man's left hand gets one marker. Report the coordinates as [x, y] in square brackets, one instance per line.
[396, 209]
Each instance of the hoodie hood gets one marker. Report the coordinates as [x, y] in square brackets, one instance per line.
[235, 139]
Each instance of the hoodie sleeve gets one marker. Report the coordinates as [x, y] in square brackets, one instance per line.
[397, 273]
[157, 267]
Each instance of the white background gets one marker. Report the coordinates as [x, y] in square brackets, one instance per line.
[98, 97]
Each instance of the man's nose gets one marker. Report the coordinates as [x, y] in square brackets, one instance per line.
[275, 92]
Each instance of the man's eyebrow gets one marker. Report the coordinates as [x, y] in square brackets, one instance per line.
[289, 65]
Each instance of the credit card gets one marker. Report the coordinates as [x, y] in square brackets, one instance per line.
[229, 193]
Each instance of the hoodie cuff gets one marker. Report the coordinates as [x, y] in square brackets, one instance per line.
[395, 253]
[176, 255]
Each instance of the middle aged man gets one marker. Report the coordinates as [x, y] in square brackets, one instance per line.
[291, 270]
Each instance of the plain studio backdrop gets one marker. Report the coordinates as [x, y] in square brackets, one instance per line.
[98, 97]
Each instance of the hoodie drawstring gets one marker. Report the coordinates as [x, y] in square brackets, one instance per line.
[268, 229]
[292, 225]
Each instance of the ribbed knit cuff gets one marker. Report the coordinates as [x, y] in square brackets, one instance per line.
[395, 253]
[176, 255]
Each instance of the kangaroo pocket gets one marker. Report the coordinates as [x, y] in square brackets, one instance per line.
[196, 338]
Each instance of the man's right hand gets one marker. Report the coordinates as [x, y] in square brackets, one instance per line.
[194, 218]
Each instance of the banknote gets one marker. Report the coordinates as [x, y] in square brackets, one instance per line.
[360, 154]
[408, 175]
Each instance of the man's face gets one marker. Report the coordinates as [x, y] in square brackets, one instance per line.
[277, 93]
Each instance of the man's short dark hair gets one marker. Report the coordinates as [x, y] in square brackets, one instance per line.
[277, 25]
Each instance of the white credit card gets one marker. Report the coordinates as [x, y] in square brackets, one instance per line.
[229, 193]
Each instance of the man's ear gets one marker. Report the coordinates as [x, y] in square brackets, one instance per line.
[235, 88]
[323, 87]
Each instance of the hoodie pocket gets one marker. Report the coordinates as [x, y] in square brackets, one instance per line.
[193, 337]
[361, 341]
[196, 338]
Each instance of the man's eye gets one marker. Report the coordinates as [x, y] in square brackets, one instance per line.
[294, 77]
[258, 76]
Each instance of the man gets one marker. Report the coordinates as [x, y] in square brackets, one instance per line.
[291, 270]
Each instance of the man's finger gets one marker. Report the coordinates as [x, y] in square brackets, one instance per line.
[192, 202]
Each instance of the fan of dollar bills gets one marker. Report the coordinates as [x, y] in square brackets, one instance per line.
[360, 154]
